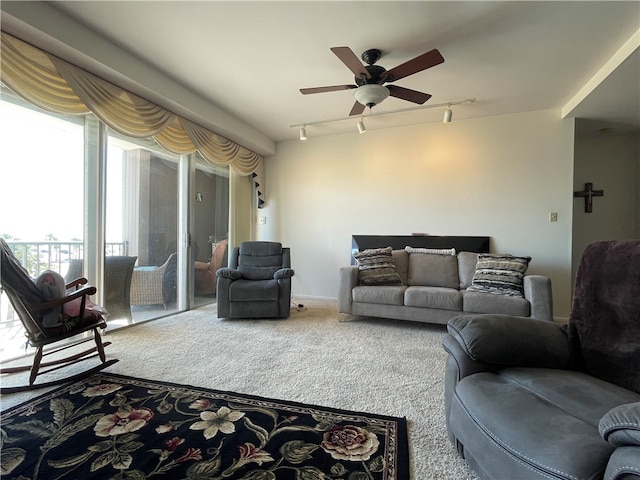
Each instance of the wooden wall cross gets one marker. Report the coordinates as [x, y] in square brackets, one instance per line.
[588, 193]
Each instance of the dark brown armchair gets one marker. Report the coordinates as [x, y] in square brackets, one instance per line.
[205, 272]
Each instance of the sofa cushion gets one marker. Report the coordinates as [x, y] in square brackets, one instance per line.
[581, 394]
[480, 302]
[384, 294]
[466, 268]
[402, 264]
[376, 267]
[432, 270]
[500, 274]
[253, 290]
[433, 297]
[542, 423]
[259, 260]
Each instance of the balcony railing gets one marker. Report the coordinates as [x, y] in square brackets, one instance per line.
[37, 257]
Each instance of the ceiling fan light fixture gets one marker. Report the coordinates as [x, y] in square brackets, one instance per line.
[371, 94]
[361, 127]
[448, 115]
[303, 133]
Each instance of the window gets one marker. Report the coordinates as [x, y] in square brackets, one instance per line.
[41, 160]
[44, 167]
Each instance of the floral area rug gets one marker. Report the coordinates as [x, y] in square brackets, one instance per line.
[117, 427]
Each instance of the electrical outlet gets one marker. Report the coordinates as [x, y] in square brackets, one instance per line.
[553, 216]
[262, 220]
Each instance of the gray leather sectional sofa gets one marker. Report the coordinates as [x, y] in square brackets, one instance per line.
[434, 290]
[537, 400]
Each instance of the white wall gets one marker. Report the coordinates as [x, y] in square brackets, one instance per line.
[496, 176]
[612, 164]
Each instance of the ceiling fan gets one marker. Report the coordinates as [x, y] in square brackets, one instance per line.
[369, 88]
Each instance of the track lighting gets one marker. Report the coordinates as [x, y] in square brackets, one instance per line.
[448, 113]
[448, 116]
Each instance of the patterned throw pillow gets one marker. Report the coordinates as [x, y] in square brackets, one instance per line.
[500, 274]
[433, 251]
[377, 267]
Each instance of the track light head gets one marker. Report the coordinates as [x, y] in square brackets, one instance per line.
[448, 114]
[303, 133]
[361, 127]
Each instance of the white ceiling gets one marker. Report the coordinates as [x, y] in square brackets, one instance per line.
[251, 58]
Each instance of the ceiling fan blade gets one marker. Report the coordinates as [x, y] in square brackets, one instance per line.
[408, 94]
[333, 88]
[422, 62]
[346, 55]
[357, 109]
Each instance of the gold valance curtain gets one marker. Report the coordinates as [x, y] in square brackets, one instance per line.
[57, 86]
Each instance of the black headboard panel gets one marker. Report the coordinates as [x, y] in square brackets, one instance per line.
[398, 242]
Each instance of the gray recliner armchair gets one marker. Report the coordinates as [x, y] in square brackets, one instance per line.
[532, 399]
[257, 282]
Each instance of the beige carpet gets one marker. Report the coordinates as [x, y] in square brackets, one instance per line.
[316, 356]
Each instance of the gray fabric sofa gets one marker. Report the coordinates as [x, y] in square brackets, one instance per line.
[526, 399]
[434, 290]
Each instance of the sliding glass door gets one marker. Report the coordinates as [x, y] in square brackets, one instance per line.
[157, 220]
[210, 229]
[142, 214]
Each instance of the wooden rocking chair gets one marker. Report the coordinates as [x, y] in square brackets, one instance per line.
[31, 305]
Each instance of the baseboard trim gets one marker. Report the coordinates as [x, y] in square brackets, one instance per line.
[314, 297]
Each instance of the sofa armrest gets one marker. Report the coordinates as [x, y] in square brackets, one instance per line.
[537, 290]
[462, 364]
[620, 426]
[229, 273]
[347, 281]
[283, 273]
[623, 464]
[459, 365]
[504, 340]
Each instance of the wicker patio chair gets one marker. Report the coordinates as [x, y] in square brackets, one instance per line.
[31, 305]
[151, 285]
[118, 271]
[118, 274]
